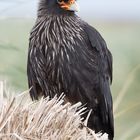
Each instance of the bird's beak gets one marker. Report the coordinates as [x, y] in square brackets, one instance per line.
[74, 7]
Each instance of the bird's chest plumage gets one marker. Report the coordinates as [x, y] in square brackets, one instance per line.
[61, 52]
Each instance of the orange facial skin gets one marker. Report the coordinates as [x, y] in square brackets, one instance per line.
[66, 5]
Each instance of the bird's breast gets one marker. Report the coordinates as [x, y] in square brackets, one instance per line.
[63, 49]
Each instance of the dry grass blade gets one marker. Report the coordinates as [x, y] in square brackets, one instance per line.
[137, 138]
[130, 132]
[43, 120]
[1, 91]
[127, 110]
[125, 88]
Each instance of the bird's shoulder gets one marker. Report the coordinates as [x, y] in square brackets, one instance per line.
[99, 44]
[94, 36]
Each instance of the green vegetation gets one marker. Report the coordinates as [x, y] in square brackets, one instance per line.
[123, 40]
[14, 36]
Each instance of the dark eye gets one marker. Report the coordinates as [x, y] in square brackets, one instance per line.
[66, 0]
[59, 1]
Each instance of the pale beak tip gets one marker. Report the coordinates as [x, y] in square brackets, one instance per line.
[74, 7]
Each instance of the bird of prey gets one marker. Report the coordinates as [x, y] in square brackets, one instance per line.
[67, 55]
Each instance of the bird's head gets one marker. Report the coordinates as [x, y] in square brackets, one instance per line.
[69, 5]
[59, 6]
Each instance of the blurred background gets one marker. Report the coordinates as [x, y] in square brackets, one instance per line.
[119, 23]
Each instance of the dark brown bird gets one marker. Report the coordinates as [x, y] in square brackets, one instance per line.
[68, 55]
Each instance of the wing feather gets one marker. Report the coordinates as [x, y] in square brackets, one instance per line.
[105, 76]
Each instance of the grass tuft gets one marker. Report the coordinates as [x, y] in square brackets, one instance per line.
[22, 119]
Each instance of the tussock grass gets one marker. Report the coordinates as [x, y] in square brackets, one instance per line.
[22, 119]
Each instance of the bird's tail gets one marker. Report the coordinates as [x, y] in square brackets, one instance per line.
[101, 119]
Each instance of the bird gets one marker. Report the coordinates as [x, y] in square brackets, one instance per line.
[67, 55]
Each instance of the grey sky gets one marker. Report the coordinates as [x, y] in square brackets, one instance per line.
[98, 9]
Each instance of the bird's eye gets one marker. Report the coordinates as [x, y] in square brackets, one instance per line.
[66, 0]
[59, 1]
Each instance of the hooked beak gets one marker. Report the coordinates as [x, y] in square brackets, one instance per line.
[74, 7]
